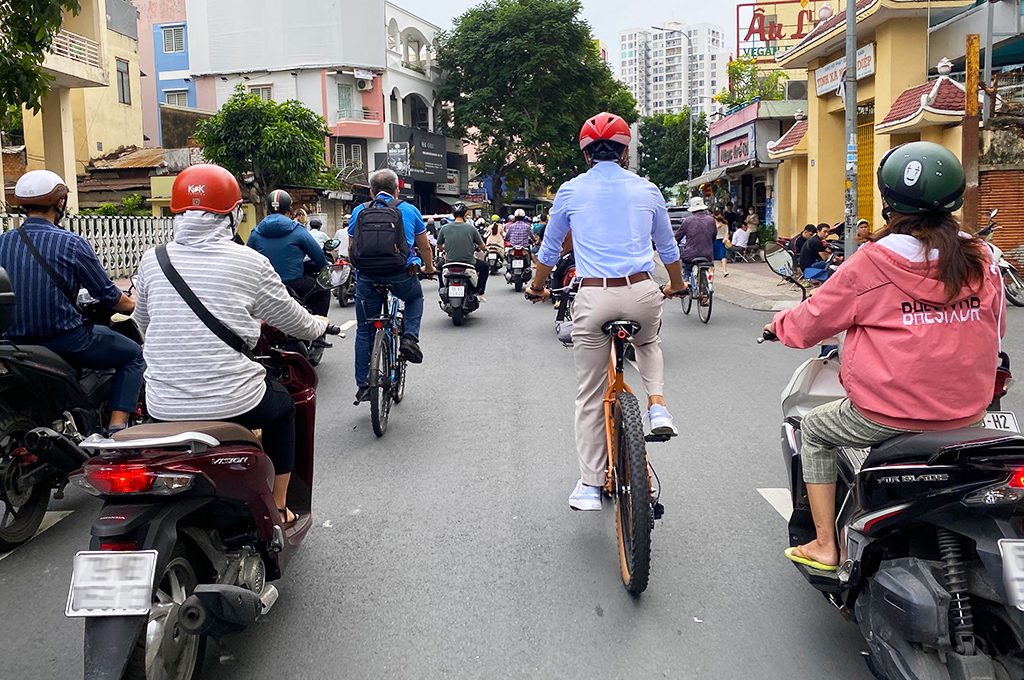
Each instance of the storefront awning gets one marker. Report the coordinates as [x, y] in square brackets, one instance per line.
[708, 177]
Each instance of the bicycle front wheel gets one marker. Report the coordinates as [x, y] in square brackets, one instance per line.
[634, 515]
[380, 383]
[704, 300]
[688, 301]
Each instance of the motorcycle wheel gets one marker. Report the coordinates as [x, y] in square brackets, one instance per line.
[518, 281]
[1014, 287]
[21, 510]
[161, 652]
[457, 316]
[342, 295]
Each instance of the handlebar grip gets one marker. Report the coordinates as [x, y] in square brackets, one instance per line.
[767, 335]
[333, 330]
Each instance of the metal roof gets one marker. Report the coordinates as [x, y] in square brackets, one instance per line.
[143, 158]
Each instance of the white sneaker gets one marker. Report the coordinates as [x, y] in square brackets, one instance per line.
[481, 298]
[658, 421]
[585, 497]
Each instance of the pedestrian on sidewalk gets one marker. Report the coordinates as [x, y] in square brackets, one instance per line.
[732, 218]
[721, 236]
[752, 221]
[739, 242]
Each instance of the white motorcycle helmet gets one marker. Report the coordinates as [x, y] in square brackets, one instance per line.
[42, 188]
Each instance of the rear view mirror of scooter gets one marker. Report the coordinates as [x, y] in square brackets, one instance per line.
[780, 261]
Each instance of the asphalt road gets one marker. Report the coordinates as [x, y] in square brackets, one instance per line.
[447, 549]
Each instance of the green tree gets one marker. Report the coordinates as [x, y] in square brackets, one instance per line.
[522, 76]
[11, 126]
[265, 144]
[664, 149]
[130, 206]
[747, 81]
[27, 28]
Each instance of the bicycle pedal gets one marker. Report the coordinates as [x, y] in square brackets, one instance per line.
[658, 510]
[657, 437]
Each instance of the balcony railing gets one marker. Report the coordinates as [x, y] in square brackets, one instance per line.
[358, 114]
[415, 66]
[76, 47]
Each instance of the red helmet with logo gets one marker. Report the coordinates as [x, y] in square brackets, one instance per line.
[604, 126]
[205, 187]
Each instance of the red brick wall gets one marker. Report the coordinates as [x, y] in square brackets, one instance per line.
[14, 165]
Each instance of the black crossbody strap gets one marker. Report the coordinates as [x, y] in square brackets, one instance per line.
[61, 285]
[230, 338]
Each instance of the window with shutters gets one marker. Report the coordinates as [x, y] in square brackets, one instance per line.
[174, 39]
[177, 97]
[339, 155]
[124, 94]
[357, 155]
[266, 92]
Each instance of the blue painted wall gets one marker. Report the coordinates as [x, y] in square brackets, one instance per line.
[171, 61]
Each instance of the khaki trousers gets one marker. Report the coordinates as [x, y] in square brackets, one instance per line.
[594, 307]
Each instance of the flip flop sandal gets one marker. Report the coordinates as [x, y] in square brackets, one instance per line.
[797, 555]
[289, 523]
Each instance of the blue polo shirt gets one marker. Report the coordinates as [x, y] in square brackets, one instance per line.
[411, 217]
[42, 310]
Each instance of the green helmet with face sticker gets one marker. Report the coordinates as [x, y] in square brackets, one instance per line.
[921, 177]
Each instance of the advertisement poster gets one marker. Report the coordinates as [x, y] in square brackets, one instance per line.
[398, 158]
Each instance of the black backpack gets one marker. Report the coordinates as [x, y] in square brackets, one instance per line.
[379, 245]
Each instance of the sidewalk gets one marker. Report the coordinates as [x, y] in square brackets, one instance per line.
[750, 285]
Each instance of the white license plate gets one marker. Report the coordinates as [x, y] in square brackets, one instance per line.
[112, 583]
[492, 258]
[518, 264]
[1001, 420]
[1012, 552]
[456, 291]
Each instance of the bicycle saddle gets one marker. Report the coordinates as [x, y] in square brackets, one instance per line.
[629, 327]
[381, 286]
[697, 261]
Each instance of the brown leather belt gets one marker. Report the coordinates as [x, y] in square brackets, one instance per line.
[616, 283]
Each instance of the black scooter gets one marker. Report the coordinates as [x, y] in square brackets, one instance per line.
[458, 291]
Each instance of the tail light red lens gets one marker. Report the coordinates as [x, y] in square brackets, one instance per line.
[1017, 478]
[119, 545]
[103, 480]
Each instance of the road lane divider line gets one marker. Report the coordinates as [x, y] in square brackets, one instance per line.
[49, 519]
[780, 500]
[348, 324]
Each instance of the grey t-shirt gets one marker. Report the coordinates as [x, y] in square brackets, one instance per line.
[460, 240]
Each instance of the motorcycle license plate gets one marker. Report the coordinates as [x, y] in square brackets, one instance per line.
[112, 583]
[456, 291]
[518, 264]
[1012, 552]
[1001, 420]
[492, 258]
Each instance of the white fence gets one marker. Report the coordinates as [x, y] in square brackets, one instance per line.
[119, 241]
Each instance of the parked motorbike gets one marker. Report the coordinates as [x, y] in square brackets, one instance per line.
[494, 258]
[189, 538]
[933, 540]
[1012, 281]
[458, 291]
[519, 266]
[39, 389]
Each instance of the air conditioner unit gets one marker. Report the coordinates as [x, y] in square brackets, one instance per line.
[364, 84]
[796, 90]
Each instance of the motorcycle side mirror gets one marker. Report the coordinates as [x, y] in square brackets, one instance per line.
[332, 276]
[778, 259]
[332, 244]
[994, 212]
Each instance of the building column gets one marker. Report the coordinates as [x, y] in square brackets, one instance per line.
[59, 140]
[430, 118]
[826, 156]
[401, 111]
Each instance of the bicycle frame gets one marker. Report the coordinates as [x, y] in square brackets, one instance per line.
[616, 384]
[390, 323]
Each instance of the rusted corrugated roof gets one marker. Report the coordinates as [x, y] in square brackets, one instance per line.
[143, 158]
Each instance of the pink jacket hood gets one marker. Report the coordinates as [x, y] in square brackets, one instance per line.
[911, 358]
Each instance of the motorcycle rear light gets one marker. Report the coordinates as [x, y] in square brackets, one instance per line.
[1009, 491]
[102, 480]
[119, 545]
[378, 324]
[1017, 478]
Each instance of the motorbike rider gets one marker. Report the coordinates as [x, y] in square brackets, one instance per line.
[519, 233]
[922, 307]
[286, 243]
[405, 283]
[461, 241]
[191, 374]
[700, 231]
[45, 312]
[614, 215]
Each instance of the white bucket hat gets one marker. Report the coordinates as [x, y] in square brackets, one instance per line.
[697, 203]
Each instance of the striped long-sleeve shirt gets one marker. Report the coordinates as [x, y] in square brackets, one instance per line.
[191, 374]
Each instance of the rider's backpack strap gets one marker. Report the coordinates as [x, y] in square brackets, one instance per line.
[230, 338]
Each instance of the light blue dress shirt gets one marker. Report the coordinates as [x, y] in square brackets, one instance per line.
[614, 215]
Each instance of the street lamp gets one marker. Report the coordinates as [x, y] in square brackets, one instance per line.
[689, 48]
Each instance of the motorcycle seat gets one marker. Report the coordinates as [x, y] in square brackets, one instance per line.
[907, 448]
[221, 431]
[45, 358]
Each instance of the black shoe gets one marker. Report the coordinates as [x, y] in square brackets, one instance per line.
[410, 349]
[320, 342]
[362, 394]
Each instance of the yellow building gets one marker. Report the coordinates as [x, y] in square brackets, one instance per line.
[897, 103]
[80, 122]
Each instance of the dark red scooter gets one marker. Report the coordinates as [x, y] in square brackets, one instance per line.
[189, 538]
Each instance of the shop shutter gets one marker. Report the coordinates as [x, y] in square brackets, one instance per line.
[866, 172]
[1003, 189]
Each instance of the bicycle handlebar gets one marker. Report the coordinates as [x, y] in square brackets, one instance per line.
[333, 330]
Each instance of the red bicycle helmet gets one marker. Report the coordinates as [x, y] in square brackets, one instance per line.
[604, 126]
[205, 187]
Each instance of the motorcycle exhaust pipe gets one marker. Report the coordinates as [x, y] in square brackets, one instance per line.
[56, 449]
[217, 610]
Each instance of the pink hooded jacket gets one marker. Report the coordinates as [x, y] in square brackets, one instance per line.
[911, 359]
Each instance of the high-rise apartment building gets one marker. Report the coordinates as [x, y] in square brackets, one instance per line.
[673, 66]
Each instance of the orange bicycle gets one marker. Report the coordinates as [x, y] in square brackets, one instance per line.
[629, 477]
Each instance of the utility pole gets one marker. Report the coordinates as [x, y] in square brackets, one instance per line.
[988, 63]
[850, 85]
[969, 150]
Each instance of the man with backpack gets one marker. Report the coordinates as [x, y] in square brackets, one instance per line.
[382, 235]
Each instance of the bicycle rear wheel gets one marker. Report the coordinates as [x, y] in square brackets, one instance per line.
[704, 299]
[634, 516]
[380, 383]
[400, 368]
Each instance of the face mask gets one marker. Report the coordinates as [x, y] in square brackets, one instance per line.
[235, 219]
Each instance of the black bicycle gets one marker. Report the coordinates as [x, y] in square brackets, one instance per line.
[700, 278]
[387, 365]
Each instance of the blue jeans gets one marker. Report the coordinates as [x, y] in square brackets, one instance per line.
[370, 303]
[99, 347]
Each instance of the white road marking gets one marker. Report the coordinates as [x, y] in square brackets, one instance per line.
[49, 519]
[348, 324]
[780, 500]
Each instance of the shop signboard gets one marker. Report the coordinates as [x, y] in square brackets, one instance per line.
[764, 29]
[829, 78]
[737, 148]
[427, 153]
[451, 187]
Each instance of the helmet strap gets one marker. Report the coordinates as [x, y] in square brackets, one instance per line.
[61, 209]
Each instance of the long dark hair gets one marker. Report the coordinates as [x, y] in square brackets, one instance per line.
[962, 261]
[494, 229]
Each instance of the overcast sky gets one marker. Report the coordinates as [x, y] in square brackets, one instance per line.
[607, 17]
